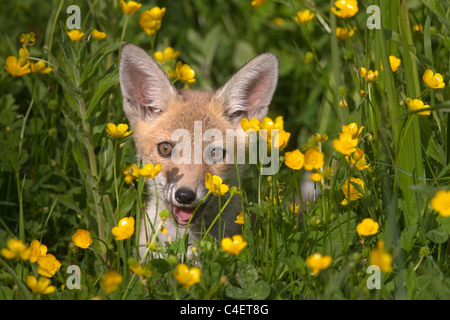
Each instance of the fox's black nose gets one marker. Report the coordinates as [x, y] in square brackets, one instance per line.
[185, 196]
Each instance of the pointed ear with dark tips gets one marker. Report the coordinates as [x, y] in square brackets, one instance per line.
[249, 92]
[146, 89]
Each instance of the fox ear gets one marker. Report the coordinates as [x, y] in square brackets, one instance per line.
[146, 89]
[248, 93]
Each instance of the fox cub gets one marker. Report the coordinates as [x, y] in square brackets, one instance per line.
[156, 109]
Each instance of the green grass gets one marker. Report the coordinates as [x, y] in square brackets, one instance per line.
[62, 172]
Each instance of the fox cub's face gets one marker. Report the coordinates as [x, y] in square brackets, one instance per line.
[187, 131]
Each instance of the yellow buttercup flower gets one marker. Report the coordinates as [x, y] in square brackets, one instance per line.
[441, 203]
[352, 128]
[119, 131]
[258, 3]
[186, 276]
[28, 39]
[37, 250]
[214, 184]
[344, 33]
[136, 268]
[82, 238]
[316, 176]
[233, 246]
[131, 173]
[98, 35]
[350, 191]
[283, 136]
[368, 75]
[317, 137]
[418, 28]
[433, 80]
[111, 281]
[394, 62]
[124, 229]
[283, 139]
[129, 7]
[278, 21]
[150, 171]
[40, 67]
[345, 144]
[318, 262]
[268, 124]
[367, 227]
[304, 17]
[252, 124]
[381, 258]
[166, 55]
[24, 56]
[347, 8]
[343, 103]
[314, 159]
[15, 69]
[293, 207]
[240, 219]
[358, 159]
[41, 286]
[157, 13]
[48, 265]
[15, 249]
[75, 35]
[418, 104]
[294, 159]
[150, 20]
[184, 73]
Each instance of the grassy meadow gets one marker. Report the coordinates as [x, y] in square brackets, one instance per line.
[363, 107]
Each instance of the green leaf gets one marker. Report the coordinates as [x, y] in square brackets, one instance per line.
[426, 190]
[295, 264]
[69, 203]
[435, 6]
[438, 235]
[436, 151]
[6, 293]
[71, 93]
[411, 280]
[93, 64]
[259, 291]
[447, 41]
[127, 199]
[246, 275]
[108, 210]
[80, 159]
[161, 265]
[444, 223]
[107, 82]
[237, 293]
[23, 289]
[407, 237]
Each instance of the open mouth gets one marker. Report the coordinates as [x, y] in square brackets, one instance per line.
[182, 215]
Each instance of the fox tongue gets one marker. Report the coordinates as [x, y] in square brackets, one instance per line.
[182, 215]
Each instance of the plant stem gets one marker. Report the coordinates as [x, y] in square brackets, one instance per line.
[54, 25]
[21, 221]
[115, 177]
[218, 215]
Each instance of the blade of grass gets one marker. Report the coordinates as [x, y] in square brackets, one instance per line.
[335, 59]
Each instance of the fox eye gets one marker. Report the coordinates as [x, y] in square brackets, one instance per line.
[219, 152]
[165, 149]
